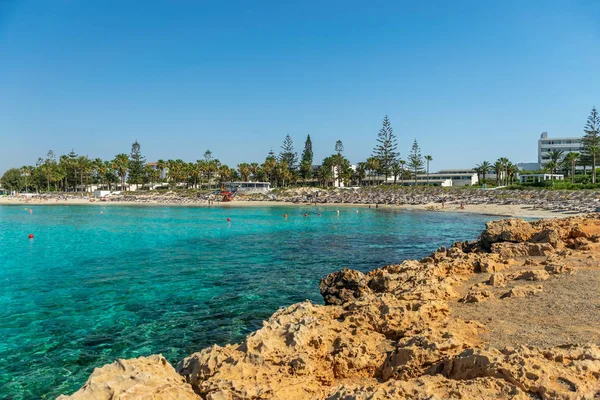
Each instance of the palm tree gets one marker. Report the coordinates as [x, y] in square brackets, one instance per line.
[498, 171]
[26, 172]
[428, 159]
[484, 168]
[402, 164]
[361, 170]
[550, 166]
[121, 164]
[504, 168]
[511, 172]
[571, 159]
[324, 174]
[373, 166]
[254, 170]
[477, 169]
[245, 170]
[396, 170]
[101, 170]
[555, 156]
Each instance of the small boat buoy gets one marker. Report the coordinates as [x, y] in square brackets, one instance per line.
[357, 211]
[284, 215]
[306, 215]
[101, 212]
[30, 236]
[228, 219]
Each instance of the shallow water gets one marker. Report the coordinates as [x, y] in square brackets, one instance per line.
[130, 281]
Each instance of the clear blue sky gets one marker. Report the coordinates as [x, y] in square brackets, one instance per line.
[470, 80]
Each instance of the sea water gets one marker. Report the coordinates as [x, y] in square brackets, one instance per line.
[102, 282]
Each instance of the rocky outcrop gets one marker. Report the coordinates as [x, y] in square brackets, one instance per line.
[140, 378]
[391, 333]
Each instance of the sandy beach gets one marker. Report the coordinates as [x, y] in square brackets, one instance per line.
[505, 210]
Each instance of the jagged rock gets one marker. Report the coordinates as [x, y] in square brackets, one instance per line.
[139, 378]
[343, 286]
[429, 388]
[382, 281]
[506, 230]
[477, 296]
[497, 280]
[522, 291]
[530, 262]
[571, 372]
[579, 243]
[556, 269]
[533, 275]
[511, 250]
[550, 236]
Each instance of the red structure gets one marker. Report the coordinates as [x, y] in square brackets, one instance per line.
[227, 195]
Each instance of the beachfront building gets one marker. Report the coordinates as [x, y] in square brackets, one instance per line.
[248, 187]
[534, 178]
[565, 144]
[446, 177]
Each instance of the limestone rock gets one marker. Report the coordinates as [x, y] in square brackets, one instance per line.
[477, 296]
[343, 286]
[506, 230]
[139, 378]
[533, 275]
[522, 291]
[497, 280]
[557, 269]
[512, 250]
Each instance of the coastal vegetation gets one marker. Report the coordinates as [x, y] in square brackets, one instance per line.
[76, 173]
[73, 172]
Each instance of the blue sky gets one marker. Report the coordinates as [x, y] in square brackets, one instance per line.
[470, 80]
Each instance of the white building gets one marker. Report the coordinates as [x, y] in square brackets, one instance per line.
[446, 177]
[533, 178]
[566, 144]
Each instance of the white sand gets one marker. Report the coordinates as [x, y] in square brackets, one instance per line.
[526, 211]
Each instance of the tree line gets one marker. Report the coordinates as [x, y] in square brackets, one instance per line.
[73, 172]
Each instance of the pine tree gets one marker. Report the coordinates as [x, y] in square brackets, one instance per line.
[307, 159]
[385, 150]
[287, 153]
[137, 164]
[339, 147]
[591, 141]
[415, 160]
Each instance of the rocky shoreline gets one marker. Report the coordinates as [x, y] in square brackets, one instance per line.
[441, 327]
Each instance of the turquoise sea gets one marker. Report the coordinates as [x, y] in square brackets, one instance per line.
[104, 282]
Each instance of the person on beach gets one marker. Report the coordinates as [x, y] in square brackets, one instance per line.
[462, 206]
